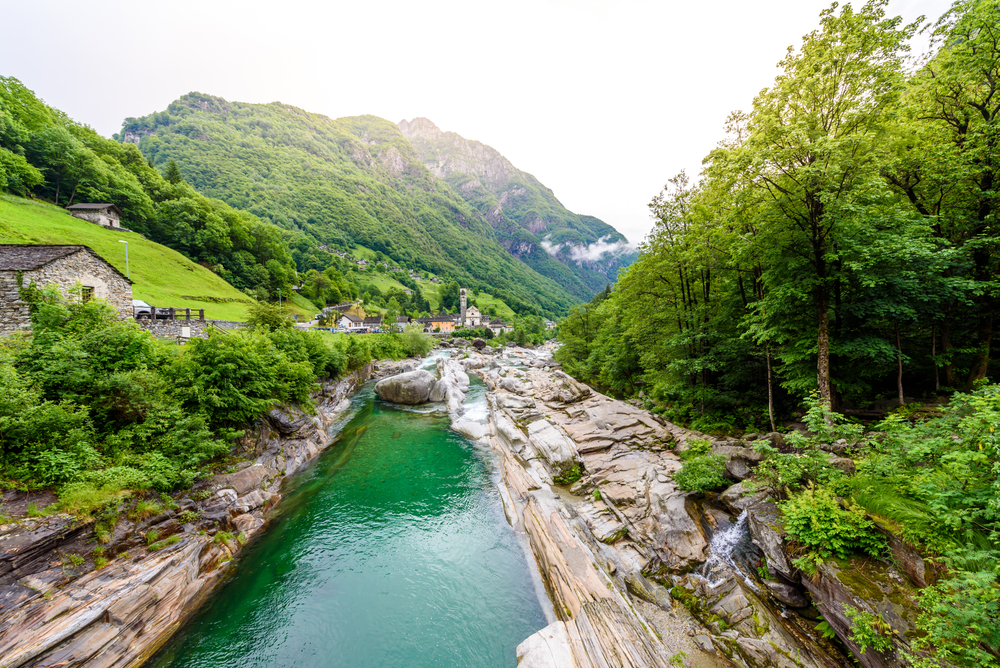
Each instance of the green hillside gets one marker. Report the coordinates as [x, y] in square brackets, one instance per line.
[345, 182]
[161, 276]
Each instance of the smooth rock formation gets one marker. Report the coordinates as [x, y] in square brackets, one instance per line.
[412, 387]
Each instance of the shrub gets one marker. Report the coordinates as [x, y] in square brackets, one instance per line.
[266, 316]
[815, 519]
[702, 474]
[235, 377]
[357, 351]
[416, 342]
[960, 620]
[869, 630]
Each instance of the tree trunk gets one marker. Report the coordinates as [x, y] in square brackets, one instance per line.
[770, 388]
[899, 375]
[937, 374]
[823, 346]
[949, 369]
[984, 336]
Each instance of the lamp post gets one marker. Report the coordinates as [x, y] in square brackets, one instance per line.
[279, 297]
[126, 256]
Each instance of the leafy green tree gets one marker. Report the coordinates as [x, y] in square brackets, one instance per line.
[812, 148]
[172, 173]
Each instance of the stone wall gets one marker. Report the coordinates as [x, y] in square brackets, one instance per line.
[82, 268]
[173, 328]
[103, 218]
[13, 312]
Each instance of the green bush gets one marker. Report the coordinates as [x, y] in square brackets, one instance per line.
[817, 520]
[415, 342]
[236, 377]
[702, 474]
[960, 620]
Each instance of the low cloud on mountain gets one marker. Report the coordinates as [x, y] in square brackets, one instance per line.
[590, 253]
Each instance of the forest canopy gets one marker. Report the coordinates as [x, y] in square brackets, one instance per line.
[842, 239]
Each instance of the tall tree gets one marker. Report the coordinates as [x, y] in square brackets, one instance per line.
[812, 144]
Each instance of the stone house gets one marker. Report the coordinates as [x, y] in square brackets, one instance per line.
[401, 322]
[373, 322]
[67, 267]
[105, 215]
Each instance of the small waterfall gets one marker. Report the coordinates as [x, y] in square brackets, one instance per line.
[731, 547]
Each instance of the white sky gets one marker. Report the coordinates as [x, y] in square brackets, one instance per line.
[602, 101]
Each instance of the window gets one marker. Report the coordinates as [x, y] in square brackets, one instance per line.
[86, 294]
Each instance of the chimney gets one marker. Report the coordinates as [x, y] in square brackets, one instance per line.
[462, 292]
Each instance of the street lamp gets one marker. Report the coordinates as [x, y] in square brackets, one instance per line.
[126, 256]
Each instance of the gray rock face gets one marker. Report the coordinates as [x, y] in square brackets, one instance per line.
[413, 387]
[681, 544]
[787, 594]
[767, 532]
[736, 499]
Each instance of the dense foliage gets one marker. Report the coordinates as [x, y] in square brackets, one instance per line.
[842, 239]
[933, 479]
[340, 183]
[89, 403]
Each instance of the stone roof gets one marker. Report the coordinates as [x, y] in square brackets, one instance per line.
[94, 207]
[352, 318]
[403, 318]
[28, 257]
[373, 320]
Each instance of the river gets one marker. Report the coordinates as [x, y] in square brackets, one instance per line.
[392, 550]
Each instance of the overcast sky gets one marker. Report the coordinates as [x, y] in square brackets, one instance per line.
[602, 101]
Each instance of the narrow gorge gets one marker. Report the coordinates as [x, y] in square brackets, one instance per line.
[520, 517]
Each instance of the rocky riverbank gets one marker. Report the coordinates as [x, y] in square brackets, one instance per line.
[639, 572]
[59, 610]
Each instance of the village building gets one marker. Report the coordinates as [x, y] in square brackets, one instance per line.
[105, 215]
[498, 327]
[440, 323]
[373, 322]
[78, 271]
[401, 323]
[351, 322]
[473, 317]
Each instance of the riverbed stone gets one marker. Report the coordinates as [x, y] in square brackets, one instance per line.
[413, 387]
[243, 480]
[474, 430]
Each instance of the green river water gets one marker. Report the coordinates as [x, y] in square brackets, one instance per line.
[391, 550]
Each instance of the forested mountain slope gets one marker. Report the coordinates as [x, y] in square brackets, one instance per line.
[580, 252]
[341, 182]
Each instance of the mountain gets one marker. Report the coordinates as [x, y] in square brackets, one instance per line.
[582, 253]
[341, 183]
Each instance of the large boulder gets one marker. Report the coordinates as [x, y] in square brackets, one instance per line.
[413, 387]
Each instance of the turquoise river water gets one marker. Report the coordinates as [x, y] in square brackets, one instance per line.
[391, 550]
